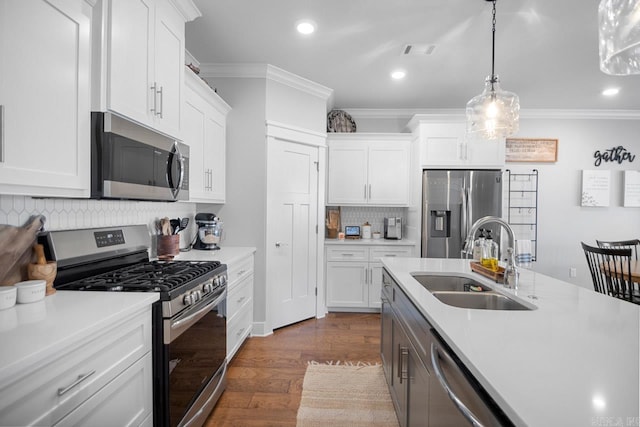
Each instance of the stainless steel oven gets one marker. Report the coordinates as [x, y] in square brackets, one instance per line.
[189, 320]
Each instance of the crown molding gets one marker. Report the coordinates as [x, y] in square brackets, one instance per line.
[187, 9]
[459, 113]
[266, 71]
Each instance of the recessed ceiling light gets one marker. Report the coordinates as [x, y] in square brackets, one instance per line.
[398, 74]
[306, 26]
[611, 91]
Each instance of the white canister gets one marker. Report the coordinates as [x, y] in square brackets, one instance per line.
[366, 230]
[31, 291]
[7, 296]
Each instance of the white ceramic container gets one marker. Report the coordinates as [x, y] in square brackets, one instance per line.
[31, 291]
[7, 296]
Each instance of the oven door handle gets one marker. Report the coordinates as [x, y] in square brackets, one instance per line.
[181, 325]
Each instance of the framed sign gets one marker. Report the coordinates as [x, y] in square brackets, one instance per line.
[596, 187]
[531, 150]
[631, 189]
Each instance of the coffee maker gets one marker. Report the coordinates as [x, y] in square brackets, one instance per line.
[209, 231]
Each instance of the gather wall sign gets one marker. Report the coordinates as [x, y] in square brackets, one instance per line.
[617, 154]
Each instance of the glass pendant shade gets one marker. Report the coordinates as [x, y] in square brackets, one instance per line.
[619, 36]
[493, 114]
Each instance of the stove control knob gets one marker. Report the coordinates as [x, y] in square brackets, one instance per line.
[197, 295]
[188, 299]
[216, 281]
[207, 287]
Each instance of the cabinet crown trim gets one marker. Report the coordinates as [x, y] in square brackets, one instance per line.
[187, 9]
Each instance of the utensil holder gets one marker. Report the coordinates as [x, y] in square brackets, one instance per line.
[46, 272]
[168, 246]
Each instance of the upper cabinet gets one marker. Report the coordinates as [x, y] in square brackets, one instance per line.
[204, 130]
[140, 61]
[368, 169]
[45, 113]
[443, 143]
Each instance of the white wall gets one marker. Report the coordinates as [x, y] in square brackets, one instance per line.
[562, 222]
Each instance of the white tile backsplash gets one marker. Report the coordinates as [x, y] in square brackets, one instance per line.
[64, 214]
[358, 215]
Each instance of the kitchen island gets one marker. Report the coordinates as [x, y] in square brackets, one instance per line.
[571, 360]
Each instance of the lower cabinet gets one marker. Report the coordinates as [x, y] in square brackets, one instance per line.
[239, 304]
[105, 381]
[354, 274]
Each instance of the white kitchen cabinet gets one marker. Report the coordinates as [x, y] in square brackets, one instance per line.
[106, 379]
[45, 116]
[239, 303]
[368, 169]
[444, 144]
[204, 130]
[139, 73]
[354, 274]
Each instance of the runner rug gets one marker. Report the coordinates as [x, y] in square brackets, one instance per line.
[345, 395]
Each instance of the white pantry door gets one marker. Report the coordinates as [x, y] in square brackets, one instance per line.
[292, 197]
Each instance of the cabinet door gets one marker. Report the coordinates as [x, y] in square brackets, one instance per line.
[486, 153]
[418, 393]
[214, 155]
[375, 284]
[168, 67]
[400, 373]
[347, 176]
[44, 116]
[347, 284]
[386, 340]
[130, 59]
[193, 125]
[388, 173]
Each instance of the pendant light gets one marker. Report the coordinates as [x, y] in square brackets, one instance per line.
[619, 36]
[495, 112]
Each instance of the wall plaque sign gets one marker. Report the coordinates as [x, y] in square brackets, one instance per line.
[531, 150]
[631, 189]
[596, 187]
[617, 154]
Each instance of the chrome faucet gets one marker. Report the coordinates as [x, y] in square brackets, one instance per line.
[510, 271]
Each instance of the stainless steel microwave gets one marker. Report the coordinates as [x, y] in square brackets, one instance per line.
[129, 161]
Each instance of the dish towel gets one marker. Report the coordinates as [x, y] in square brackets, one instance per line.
[523, 253]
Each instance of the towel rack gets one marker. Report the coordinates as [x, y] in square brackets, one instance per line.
[522, 212]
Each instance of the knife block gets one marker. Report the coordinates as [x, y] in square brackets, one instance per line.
[168, 246]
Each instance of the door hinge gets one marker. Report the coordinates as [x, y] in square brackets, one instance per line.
[316, 228]
[316, 291]
[317, 166]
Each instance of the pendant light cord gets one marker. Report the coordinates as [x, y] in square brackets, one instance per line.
[493, 46]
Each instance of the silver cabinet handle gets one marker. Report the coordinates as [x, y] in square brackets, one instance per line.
[466, 412]
[404, 362]
[369, 191]
[160, 92]
[240, 300]
[81, 377]
[240, 332]
[1, 133]
[155, 98]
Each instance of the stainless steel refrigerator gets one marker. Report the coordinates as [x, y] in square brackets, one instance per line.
[452, 200]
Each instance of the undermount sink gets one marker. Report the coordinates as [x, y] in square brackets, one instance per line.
[449, 283]
[463, 292]
[479, 300]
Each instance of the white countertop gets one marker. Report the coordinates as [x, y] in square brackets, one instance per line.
[381, 242]
[30, 333]
[226, 255]
[573, 361]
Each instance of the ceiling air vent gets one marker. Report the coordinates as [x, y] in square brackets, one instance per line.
[416, 49]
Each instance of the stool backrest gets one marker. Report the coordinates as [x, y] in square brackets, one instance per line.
[610, 270]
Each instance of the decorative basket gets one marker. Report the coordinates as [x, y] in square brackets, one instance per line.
[340, 121]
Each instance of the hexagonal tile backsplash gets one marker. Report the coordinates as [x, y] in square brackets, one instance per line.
[64, 214]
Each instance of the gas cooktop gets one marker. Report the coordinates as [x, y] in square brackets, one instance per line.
[150, 276]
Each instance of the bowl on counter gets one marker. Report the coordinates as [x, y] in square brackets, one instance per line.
[7, 296]
[30, 291]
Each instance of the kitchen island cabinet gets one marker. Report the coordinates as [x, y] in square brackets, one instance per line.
[77, 357]
[556, 356]
[44, 118]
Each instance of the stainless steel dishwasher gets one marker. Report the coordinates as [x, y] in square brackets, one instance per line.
[456, 397]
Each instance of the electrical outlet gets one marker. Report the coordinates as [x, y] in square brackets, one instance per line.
[573, 272]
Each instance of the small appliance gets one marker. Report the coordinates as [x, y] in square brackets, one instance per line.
[393, 228]
[209, 232]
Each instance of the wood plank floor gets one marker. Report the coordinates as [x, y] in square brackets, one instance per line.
[264, 381]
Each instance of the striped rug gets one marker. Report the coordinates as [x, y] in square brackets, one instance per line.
[351, 394]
